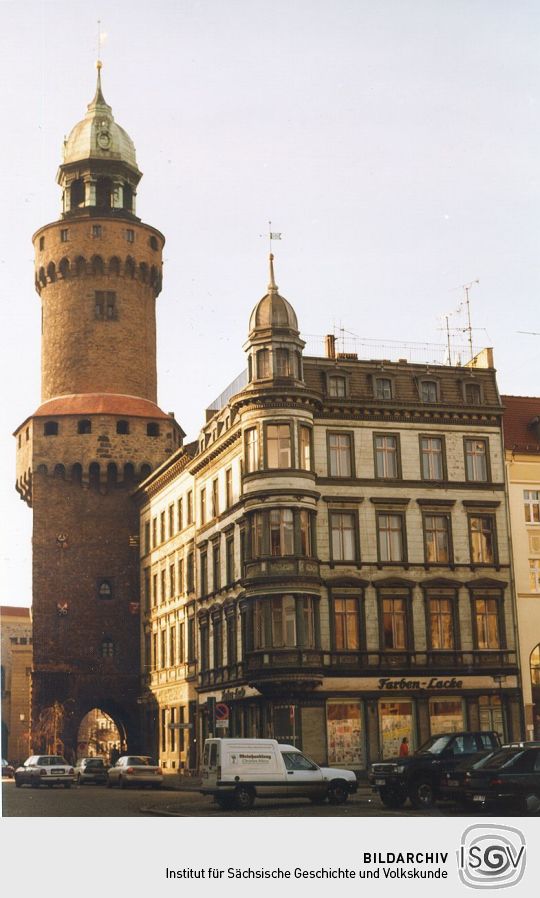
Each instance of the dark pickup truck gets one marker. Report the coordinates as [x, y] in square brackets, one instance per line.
[418, 776]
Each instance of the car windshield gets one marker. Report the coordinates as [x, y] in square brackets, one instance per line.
[50, 760]
[138, 761]
[502, 758]
[434, 746]
[94, 762]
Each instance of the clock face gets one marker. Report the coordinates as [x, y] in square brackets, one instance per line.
[104, 140]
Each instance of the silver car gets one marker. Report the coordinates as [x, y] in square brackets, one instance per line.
[44, 770]
[134, 770]
[90, 770]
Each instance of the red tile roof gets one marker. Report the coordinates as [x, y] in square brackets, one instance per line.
[14, 611]
[100, 404]
[519, 411]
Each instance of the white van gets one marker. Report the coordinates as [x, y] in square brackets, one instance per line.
[235, 771]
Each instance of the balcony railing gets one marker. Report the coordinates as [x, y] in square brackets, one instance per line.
[222, 676]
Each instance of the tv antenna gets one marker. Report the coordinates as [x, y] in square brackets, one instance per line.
[468, 329]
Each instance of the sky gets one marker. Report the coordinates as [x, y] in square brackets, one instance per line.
[394, 145]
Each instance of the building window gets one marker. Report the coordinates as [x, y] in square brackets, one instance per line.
[229, 560]
[390, 537]
[231, 638]
[346, 625]
[107, 648]
[202, 497]
[154, 589]
[172, 585]
[531, 500]
[153, 242]
[50, 428]
[441, 623]
[205, 645]
[257, 534]
[163, 660]
[163, 584]
[476, 460]
[394, 624]
[42, 243]
[281, 532]
[304, 434]
[146, 537]
[343, 536]
[383, 388]
[252, 450]
[130, 235]
[181, 576]
[428, 391]
[306, 543]
[162, 533]
[437, 538]
[278, 446]
[431, 458]
[84, 427]
[216, 566]
[122, 427]
[180, 509]
[215, 498]
[275, 622]
[154, 533]
[473, 394]
[263, 363]
[152, 429]
[105, 305]
[96, 230]
[218, 641]
[203, 567]
[64, 235]
[487, 623]
[534, 574]
[340, 463]
[171, 520]
[189, 509]
[147, 595]
[482, 539]
[228, 488]
[283, 363]
[105, 589]
[337, 386]
[172, 646]
[386, 456]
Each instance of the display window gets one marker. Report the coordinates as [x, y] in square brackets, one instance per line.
[396, 721]
[345, 735]
[446, 716]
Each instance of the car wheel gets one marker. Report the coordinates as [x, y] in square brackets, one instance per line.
[392, 798]
[338, 793]
[422, 794]
[243, 798]
[531, 804]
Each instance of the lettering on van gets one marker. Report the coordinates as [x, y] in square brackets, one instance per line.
[431, 683]
[245, 758]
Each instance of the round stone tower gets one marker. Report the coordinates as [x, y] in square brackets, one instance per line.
[97, 432]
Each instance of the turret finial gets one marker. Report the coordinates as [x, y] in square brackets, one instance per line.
[99, 99]
[272, 286]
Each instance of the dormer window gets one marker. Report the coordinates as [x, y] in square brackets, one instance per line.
[383, 388]
[472, 393]
[263, 363]
[337, 385]
[428, 391]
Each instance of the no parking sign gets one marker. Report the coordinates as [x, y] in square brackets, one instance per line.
[222, 715]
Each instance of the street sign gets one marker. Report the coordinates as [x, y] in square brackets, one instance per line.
[180, 726]
[222, 711]
[222, 724]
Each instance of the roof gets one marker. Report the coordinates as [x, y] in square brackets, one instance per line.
[100, 404]
[519, 412]
[14, 611]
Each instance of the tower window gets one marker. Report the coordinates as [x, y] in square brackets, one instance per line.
[96, 230]
[128, 198]
[64, 235]
[42, 242]
[105, 305]
[50, 428]
[130, 235]
[84, 427]
[77, 193]
[152, 429]
[153, 242]
[105, 589]
[107, 648]
[122, 427]
[104, 193]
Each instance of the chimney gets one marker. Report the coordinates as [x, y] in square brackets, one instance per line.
[330, 346]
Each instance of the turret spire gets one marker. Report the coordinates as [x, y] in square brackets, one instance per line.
[99, 99]
[272, 286]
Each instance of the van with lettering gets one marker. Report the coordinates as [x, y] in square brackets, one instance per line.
[236, 771]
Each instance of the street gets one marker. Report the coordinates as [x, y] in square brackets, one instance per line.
[98, 801]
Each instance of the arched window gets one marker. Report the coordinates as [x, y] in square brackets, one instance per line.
[535, 666]
[51, 272]
[77, 194]
[153, 242]
[107, 648]
[64, 267]
[84, 426]
[143, 271]
[60, 472]
[112, 474]
[97, 265]
[122, 427]
[42, 277]
[80, 265]
[42, 469]
[129, 473]
[146, 470]
[50, 428]
[114, 265]
[105, 590]
[153, 275]
[104, 192]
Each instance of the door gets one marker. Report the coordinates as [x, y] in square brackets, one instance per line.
[304, 778]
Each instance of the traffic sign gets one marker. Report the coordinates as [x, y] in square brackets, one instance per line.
[222, 711]
[222, 724]
[180, 726]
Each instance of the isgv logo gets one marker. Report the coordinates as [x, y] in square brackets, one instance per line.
[491, 857]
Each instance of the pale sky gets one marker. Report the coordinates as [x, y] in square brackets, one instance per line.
[394, 144]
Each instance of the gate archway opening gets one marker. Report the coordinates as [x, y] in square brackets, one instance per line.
[99, 736]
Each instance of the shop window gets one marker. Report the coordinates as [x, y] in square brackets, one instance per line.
[486, 612]
[396, 722]
[441, 623]
[391, 537]
[252, 450]
[446, 716]
[482, 539]
[432, 458]
[278, 446]
[340, 460]
[476, 460]
[531, 503]
[304, 441]
[346, 625]
[345, 738]
[437, 538]
[343, 536]
[386, 456]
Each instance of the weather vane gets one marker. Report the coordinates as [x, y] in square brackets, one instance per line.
[272, 235]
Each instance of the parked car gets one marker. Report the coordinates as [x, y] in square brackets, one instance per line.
[44, 770]
[418, 776]
[235, 771]
[452, 784]
[135, 770]
[7, 769]
[510, 778]
[90, 770]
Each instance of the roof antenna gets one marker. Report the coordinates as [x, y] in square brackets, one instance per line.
[469, 329]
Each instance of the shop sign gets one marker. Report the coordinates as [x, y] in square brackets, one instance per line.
[398, 683]
[231, 695]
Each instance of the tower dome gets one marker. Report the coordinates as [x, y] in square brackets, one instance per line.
[273, 310]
